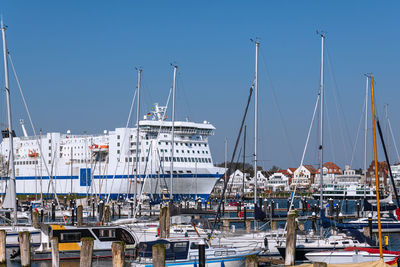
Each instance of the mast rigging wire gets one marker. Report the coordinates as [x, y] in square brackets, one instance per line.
[228, 172]
[275, 101]
[339, 109]
[358, 132]
[123, 143]
[394, 141]
[302, 157]
[34, 130]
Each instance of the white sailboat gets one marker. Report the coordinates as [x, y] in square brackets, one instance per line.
[10, 199]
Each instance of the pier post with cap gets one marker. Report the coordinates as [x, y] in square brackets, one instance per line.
[35, 220]
[113, 210]
[118, 254]
[248, 226]
[2, 247]
[164, 222]
[290, 251]
[86, 252]
[251, 261]
[107, 214]
[158, 255]
[53, 211]
[202, 254]
[25, 248]
[55, 253]
[79, 215]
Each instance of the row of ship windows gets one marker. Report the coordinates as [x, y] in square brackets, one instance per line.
[183, 151]
[176, 159]
[165, 150]
[37, 162]
[167, 143]
[26, 162]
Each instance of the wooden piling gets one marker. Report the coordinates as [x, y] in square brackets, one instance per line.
[274, 225]
[2, 247]
[290, 251]
[164, 222]
[79, 215]
[225, 225]
[107, 214]
[53, 211]
[118, 254]
[113, 210]
[248, 226]
[25, 248]
[202, 254]
[314, 222]
[35, 220]
[366, 232]
[158, 255]
[251, 261]
[86, 252]
[370, 225]
[55, 253]
[101, 210]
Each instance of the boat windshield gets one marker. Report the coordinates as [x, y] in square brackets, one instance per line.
[173, 250]
[114, 234]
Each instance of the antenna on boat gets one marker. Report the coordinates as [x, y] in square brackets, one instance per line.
[139, 70]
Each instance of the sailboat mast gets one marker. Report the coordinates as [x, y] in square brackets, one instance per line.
[321, 145]
[378, 209]
[12, 182]
[365, 138]
[244, 163]
[137, 134]
[387, 129]
[226, 165]
[172, 135]
[255, 129]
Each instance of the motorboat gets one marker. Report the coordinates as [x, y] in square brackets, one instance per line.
[185, 252]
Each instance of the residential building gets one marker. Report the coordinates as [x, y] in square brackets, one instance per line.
[382, 173]
[349, 176]
[278, 181]
[330, 170]
[303, 177]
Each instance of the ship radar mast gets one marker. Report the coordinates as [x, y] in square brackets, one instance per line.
[159, 112]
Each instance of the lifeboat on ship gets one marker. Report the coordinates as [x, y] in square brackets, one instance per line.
[32, 154]
[94, 146]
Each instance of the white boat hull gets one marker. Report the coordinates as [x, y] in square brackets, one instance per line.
[345, 257]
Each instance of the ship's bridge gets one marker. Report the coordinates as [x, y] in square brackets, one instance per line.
[180, 127]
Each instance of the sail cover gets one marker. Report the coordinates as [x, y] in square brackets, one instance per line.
[7, 202]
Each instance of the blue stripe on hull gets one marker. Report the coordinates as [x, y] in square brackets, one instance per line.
[117, 196]
[120, 176]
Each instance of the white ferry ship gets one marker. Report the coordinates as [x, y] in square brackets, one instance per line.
[346, 191]
[106, 164]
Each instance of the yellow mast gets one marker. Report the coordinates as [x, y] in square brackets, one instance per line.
[376, 169]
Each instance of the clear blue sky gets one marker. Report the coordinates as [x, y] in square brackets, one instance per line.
[76, 61]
